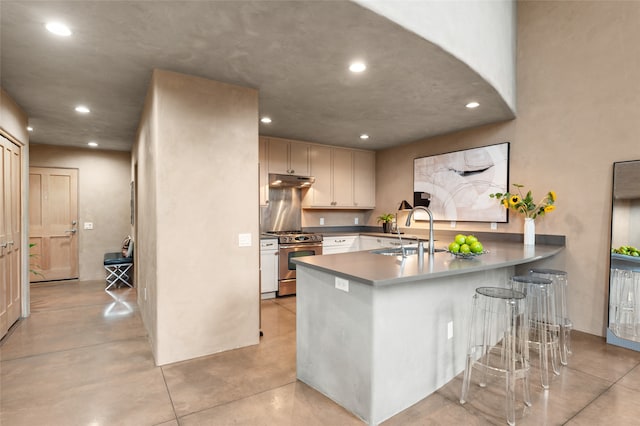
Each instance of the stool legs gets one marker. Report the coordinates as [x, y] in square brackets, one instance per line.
[560, 286]
[543, 327]
[498, 344]
[624, 285]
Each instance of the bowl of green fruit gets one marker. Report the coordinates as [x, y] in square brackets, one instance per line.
[627, 251]
[466, 246]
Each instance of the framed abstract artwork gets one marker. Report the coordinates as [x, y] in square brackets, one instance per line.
[459, 183]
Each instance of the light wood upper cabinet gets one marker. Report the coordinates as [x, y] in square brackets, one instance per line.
[344, 178]
[299, 158]
[364, 179]
[321, 192]
[288, 157]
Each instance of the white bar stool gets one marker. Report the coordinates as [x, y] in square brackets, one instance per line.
[498, 344]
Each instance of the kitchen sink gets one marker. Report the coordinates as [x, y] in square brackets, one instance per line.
[397, 251]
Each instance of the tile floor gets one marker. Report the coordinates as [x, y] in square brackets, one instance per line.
[83, 358]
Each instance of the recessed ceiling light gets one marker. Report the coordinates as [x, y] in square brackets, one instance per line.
[58, 28]
[82, 109]
[93, 144]
[265, 120]
[472, 105]
[357, 67]
[364, 136]
[29, 129]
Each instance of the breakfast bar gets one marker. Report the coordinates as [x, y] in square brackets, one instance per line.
[377, 333]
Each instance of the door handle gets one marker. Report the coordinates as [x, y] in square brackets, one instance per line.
[3, 245]
[73, 231]
[10, 243]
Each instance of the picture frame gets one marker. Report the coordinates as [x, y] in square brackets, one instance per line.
[458, 183]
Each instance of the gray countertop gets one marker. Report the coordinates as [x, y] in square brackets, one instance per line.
[378, 270]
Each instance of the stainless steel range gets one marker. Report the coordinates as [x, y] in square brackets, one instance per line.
[292, 244]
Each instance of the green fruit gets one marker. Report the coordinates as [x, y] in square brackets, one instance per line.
[476, 247]
[454, 247]
[634, 254]
[464, 248]
[471, 239]
[460, 239]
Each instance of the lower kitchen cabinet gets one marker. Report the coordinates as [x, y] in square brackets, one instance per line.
[371, 243]
[268, 268]
[340, 244]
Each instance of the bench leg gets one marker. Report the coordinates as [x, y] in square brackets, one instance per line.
[116, 274]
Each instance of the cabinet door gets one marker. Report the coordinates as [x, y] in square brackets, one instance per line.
[268, 266]
[299, 159]
[264, 172]
[368, 243]
[319, 195]
[342, 177]
[364, 179]
[10, 235]
[278, 158]
[340, 244]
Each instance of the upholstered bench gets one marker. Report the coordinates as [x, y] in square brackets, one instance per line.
[118, 264]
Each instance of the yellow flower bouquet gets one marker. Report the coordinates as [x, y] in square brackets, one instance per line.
[525, 204]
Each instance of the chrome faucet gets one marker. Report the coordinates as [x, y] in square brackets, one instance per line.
[401, 246]
[431, 244]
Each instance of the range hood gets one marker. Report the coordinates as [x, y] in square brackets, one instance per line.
[290, 181]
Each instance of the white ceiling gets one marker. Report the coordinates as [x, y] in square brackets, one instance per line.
[295, 52]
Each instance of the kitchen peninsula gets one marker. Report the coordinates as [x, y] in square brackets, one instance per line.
[378, 333]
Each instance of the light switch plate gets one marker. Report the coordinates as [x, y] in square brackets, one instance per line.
[342, 284]
[244, 240]
[88, 225]
[494, 225]
[322, 221]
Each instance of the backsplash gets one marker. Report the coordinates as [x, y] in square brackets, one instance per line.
[312, 218]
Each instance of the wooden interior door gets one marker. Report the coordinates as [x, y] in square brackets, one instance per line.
[10, 234]
[53, 223]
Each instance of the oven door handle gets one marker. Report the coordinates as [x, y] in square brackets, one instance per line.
[303, 245]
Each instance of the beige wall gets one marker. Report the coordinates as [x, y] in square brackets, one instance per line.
[578, 109]
[13, 120]
[143, 168]
[199, 156]
[104, 179]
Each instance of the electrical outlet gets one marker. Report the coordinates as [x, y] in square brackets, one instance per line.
[355, 220]
[145, 294]
[450, 330]
[322, 221]
[453, 223]
[494, 225]
[88, 225]
[342, 284]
